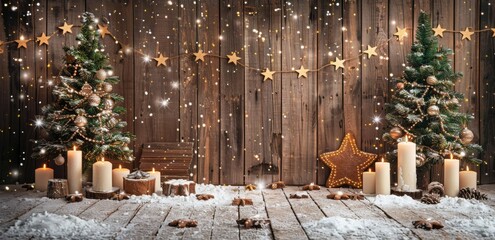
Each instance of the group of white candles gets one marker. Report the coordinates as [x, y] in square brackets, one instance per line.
[379, 182]
[104, 177]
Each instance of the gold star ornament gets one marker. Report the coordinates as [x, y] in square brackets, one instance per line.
[200, 55]
[161, 60]
[103, 30]
[438, 31]
[338, 63]
[233, 58]
[401, 33]
[371, 51]
[43, 39]
[302, 72]
[493, 30]
[267, 74]
[347, 164]
[466, 34]
[22, 43]
[66, 28]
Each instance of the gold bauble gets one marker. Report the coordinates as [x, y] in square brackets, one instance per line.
[86, 90]
[59, 160]
[112, 122]
[80, 121]
[467, 136]
[94, 100]
[101, 74]
[395, 133]
[400, 85]
[420, 159]
[431, 80]
[107, 87]
[433, 110]
[108, 103]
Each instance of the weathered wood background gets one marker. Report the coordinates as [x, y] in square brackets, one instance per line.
[234, 118]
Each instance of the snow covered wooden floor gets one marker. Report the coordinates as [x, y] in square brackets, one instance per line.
[28, 215]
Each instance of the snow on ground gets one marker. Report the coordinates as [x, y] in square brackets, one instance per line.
[483, 226]
[54, 226]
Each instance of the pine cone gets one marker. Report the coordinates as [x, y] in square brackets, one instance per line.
[437, 188]
[471, 193]
[430, 198]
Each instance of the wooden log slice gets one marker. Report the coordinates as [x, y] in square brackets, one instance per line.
[90, 193]
[417, 194]
[139, 187]
[57, 188]
[179, 187]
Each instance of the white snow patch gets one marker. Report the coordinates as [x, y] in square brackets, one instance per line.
[478, 226]
[54, 226]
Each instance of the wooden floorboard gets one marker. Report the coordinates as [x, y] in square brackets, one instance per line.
[168, 232]
[101, 210]
[146, 222]
[121, 218]
[224, 221]
[204, 216]
[257, 210]
[77, 207]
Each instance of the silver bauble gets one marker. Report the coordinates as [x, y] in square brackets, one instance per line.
[395, 133]
[431, 80]
[80, 121]
[467, 136]
[107, 87]
[454, 101]
[433, 110]
[94, 100]
[108, 103]
[86, 90]
[101, 74]
[125, 148]
[59, 160]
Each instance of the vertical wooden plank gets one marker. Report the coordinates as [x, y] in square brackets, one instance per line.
[487, 88]
[262, 29]
[299, 94]
[208, 93]
[232, 93]
[188, 80]
[330, 96]
[118, 14]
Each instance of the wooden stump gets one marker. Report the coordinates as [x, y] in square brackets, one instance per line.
[90, 193]
[139, 187]
[179, 187]
[57, 188]
[417, 194]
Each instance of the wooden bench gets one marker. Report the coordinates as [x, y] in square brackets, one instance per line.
[172, 159]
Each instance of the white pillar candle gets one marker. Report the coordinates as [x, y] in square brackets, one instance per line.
[382, 177]
[102, 176]
[157, 175]
[467, 179]
[118, 175]
[74, 170]
[451, 177]
[41, 177]
[369, 182]
[406, 166]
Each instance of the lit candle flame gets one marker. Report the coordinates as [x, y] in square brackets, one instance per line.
[311, 184]
[102, 159]
[383, 160]
[77, 192]
[340, 193]
[467, 168]
[406, 138]
[369, 169]
[451, 156]
[74, 147]
[44, 165]
[153, 170]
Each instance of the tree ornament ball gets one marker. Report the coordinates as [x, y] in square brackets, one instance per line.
[125, 148]
[395, 132]
[94, 100]
[400, 85]
[433, 110]
[467, 136]
[431, 80]
[59, 160]
[80, 121]
[420, 159]
[109, 103]
[107, 87]
[101, 74]
[86, 89]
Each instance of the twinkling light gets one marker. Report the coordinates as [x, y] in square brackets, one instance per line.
[376, 119]
[165, 102]
[146, 58]
[175, 84]
[39, 122]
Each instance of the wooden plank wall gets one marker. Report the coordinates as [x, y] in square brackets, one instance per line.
[235, 119]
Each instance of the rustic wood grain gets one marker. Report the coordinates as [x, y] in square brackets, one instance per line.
[176, 213]
[120, 218]
[305, 209]
[101, 210]
[257, 210]
[204, 216]
[146, 223]
[224, 225]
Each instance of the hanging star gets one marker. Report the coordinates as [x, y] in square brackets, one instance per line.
[493, 30]
[66, 28]
[103, 30]
[43, 39]
[438, 31]
[347, 163]
[466, 34]
[233, 58]
[268, 74]
[1, 46]
[302, 72]
[338, 63]
[401, 33]
[22, 43]
[200, 55]
[371, 51]
[161, 60]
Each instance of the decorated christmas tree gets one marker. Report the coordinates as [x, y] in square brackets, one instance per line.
[426, 107]
[84, 114]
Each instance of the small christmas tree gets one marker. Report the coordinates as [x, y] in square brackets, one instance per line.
[84, 113]
[425, 105]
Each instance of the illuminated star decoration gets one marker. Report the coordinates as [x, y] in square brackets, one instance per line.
[233, 58]
[160, 60]
[371, 51]
[103, 30]
[200, 55]
[66, 28]
[268, 74]
[43, 39]
[493, 30]
[466, 34]
[347, 164]
[401, 33]
[21, 43]
[302, 72]
[338, 63]
[438, 31]
[1, 46]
